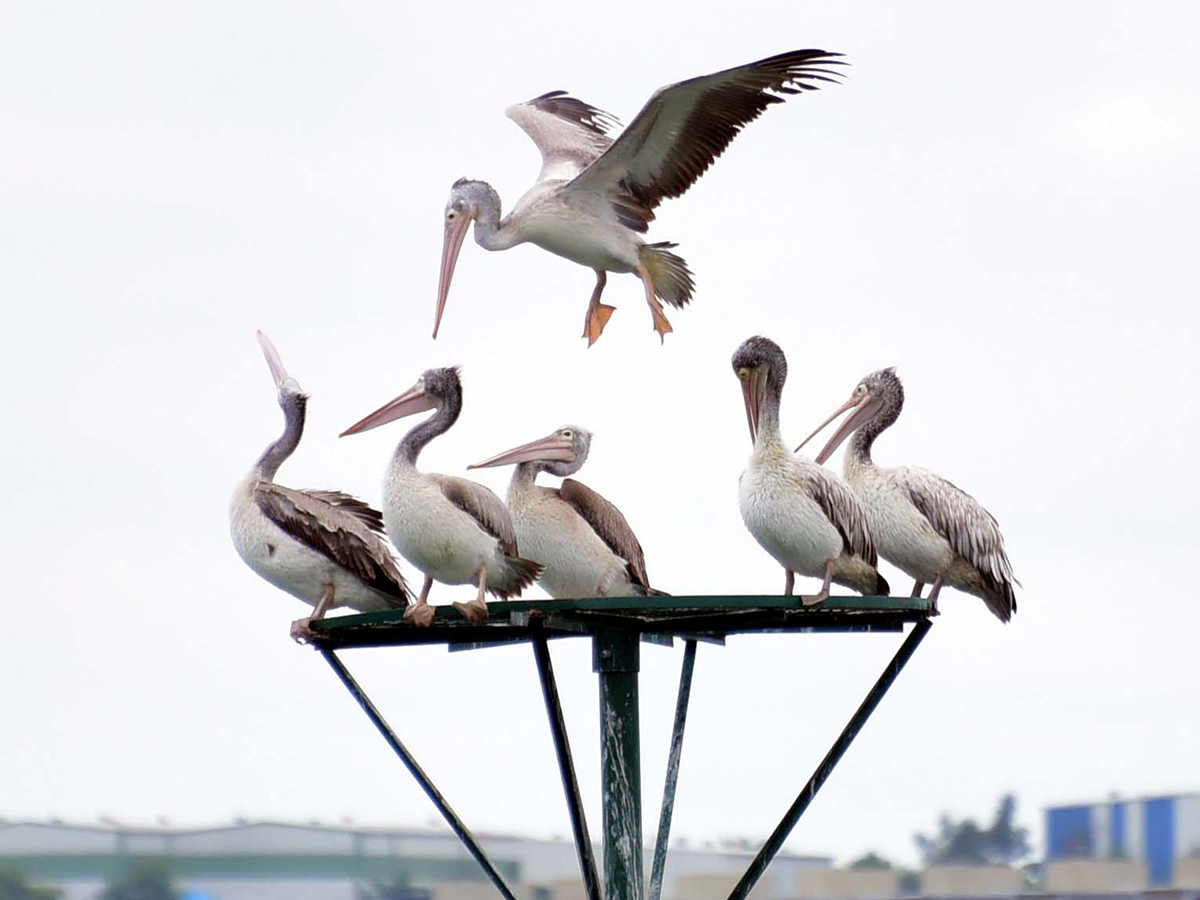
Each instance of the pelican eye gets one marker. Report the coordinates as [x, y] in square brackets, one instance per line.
[743, 372]
[567, 433]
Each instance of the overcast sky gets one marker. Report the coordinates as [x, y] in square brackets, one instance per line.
[1001, 200]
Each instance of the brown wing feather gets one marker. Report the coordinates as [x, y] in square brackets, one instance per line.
[972, 532]
[483, 506]
[370, 517]
[683, 128]
[844, 511]
[610, 526]
[338, 529]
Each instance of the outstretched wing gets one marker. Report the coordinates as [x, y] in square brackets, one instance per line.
[843, 510]
[340, 528]
[684, 127]
[610, 526]
[570, 133]
[483, 506]
[971, 530]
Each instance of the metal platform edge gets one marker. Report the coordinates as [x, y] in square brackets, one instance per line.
[685, 616]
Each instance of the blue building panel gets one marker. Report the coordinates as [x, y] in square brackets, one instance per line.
[1069, 832]
[1159, 837]
[1117, 843]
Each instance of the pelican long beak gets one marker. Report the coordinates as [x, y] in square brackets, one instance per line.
[864, 406]
[456, 232]
[752, 386]
[551, 448]
[278, 372]
[849, 404]
[412, 401]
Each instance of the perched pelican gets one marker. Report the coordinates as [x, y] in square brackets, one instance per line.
[595, 196]
[584, 542]
[800, 514]
[923, 524]
[321, 546]
[451, 529]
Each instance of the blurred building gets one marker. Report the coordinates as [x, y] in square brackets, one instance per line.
[278, 861]
[1134, 843]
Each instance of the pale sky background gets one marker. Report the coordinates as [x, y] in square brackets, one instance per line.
[1001, 200]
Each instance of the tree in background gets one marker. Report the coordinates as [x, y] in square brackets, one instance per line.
[143, 883]
[870, 862]
[15, 886]
[965, 843]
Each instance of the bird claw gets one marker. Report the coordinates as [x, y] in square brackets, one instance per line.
[814, 599]
[420, 615]
[597, 317]
[661, 325]
[302, 631]
[474, 611]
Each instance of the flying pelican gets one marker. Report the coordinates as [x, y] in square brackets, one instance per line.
[924, 525]
[453, 530]
[595, 196]
[802, 515]
[321, 546]
[586, 545]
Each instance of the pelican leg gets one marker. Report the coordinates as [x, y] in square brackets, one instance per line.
[789, 582]
[476, 611]
[302, 630]
[918, 586]
[935, 590]
[597, 313]
[822, 595]
[661, 325]
[421, 613]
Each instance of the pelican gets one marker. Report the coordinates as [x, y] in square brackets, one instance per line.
[584, 542]
[924, 525]
[807, 519]
[594, 196]
[453, 530]
[324, 547]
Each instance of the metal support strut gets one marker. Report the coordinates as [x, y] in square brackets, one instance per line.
[615, 628]
[566, 766]
[668, 799]
[615, 659]
[792, 816]
[452, 819]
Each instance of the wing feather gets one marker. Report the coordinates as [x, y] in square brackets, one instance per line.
[684, 127]
[483, 506]
[843, 510]
[570, 134]
[341, 528]
[972, 532]
[610, 526]
[370, 517]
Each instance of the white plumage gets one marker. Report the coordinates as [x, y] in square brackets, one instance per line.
[582, 540]
[929, 528]
[595, 196]
[292, 566]
[804, 517]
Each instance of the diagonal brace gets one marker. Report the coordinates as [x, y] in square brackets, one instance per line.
[566, 765]
[792, 816]
[668, 800]
[452, 819]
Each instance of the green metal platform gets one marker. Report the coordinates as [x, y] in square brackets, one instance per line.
[616, 627]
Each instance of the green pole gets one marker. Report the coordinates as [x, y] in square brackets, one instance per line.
[615, 659]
